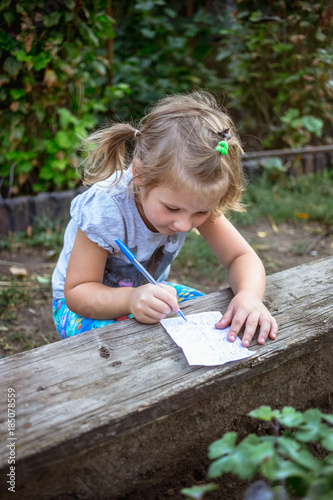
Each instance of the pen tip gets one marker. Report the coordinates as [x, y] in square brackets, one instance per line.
[182, 315]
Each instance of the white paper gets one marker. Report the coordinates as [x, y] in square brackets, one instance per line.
[202, 343]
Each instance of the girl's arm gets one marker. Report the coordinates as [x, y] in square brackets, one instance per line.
[86, 295]
[246, 276]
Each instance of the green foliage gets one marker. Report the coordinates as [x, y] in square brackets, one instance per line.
[197, 263]
[70, 66]
[161, 48]
[284, 459]
[10, 297]
[197, 492]
[278, 73]
[52, 88]
[286, 198]
[63, 74]
[45, 233]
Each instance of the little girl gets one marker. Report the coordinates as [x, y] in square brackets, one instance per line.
[185, 172]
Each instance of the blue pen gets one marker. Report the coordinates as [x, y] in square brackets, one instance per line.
[133, 260]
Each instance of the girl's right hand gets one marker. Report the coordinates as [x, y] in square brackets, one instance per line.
[150, 303]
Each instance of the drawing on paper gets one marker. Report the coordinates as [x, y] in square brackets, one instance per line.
[202, 343]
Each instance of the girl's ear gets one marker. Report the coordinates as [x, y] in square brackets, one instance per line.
[136, 169]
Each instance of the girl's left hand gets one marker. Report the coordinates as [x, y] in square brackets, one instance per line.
[247, 309]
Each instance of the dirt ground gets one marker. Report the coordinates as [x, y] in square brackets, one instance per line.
[287, 246]
[280, 248]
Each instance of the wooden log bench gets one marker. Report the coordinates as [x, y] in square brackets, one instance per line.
[99, 414]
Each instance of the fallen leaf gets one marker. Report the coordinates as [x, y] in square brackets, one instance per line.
[50, 78]
[44, 280]
[262, 234]
[8, 347]
[301, 215]
[21, 272]
[14, 106]
[272, 223]
[260, 247]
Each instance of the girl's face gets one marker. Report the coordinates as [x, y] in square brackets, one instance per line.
[169, 211]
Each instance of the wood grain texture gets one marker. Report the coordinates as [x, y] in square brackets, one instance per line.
[81, 393]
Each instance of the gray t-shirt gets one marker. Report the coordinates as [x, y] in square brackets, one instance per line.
[105, 213]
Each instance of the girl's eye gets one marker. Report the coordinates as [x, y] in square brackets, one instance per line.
[171, 209]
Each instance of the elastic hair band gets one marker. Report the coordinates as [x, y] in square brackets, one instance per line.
[222, 146]
[225, 133]
[136, 132]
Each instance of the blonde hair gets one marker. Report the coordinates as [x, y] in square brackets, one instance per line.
[176, 145]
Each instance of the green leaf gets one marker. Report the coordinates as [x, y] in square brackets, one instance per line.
[44, 280]
[63, 139]
[269, 467]
[52, 19]
[176, 42]
[218, 467]
[17, 93]
[309, 430]
[326, 434]
[241, 462]
[39, 111]
[106, 26]
[22, 56]
[297, 452]
[59, 164]
[88, 33]
[273, 164]
[262, 452]
[328, 418]
[320, 35]
[312, 124]
[67, 117]
[290, 469]
[99, 67]
[41, 60]
[144, 6]
[5, 4]
[18, 132]
[222, 446]
[46, 173]
[148, 33]
[12, 66]
[25, 167]
[170, 12]
[197, 492]
[223, 54]
[264, 413]
[289, 416]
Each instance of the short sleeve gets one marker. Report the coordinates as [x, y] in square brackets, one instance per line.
[98, 216]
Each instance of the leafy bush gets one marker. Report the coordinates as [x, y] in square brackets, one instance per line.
[284, 459]
[52, 88]
[163, 47]
[278, 72]
[70, 66]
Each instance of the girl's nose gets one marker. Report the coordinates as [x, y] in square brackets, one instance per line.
[183, 224]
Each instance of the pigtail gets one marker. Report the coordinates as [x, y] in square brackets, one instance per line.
[105, 151]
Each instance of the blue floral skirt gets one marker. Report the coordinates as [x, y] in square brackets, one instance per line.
[69, 324]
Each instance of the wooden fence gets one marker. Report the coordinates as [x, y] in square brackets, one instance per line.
[17, 214]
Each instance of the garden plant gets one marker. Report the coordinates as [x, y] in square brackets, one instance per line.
[285, 458]
[68, 67]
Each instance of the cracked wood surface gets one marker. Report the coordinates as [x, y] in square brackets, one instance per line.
[91, 388]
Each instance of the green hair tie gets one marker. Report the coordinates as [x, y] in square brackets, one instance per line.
[222, 147]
